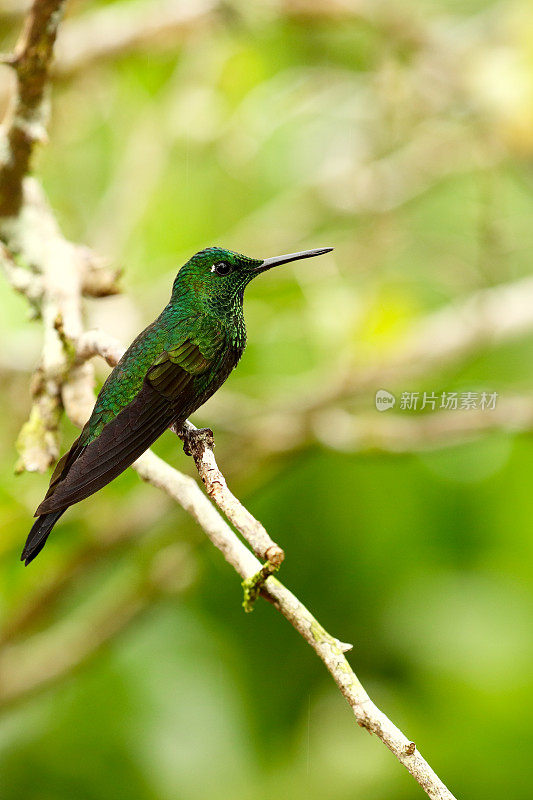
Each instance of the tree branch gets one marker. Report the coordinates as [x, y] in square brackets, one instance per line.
[199, 445]
[35, 236]
[26, 122]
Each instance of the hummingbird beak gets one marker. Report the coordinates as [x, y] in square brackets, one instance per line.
[268, 263]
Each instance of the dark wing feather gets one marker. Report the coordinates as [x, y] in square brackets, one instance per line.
[38, 535]
[167, 388]
[65, 462]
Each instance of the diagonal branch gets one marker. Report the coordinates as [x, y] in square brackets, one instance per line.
[199, 444]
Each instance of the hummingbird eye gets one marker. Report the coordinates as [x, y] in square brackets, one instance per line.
[222, 268]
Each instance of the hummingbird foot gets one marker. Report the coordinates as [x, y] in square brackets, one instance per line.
[196, 440]
[252, 586]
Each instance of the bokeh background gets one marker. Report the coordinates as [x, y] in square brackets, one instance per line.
[401, 133]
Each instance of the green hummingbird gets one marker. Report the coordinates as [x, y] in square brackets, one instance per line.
[167, 372]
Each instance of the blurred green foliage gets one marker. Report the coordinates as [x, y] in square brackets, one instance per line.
[403, 138]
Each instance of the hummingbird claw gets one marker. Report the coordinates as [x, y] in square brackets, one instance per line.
[195, 440]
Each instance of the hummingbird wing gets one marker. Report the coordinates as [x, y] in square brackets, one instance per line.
[168, 387]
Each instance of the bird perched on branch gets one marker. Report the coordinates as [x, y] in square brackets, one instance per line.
[167, 372]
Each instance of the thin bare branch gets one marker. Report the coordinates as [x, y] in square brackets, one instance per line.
[97, 342]
[199, 444]
[26, 121]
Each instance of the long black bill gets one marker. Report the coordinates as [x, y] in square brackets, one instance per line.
[268, 263]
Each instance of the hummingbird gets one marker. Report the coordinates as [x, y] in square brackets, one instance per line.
[166, 374]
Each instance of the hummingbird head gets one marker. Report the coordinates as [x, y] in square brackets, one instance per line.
[217, 278]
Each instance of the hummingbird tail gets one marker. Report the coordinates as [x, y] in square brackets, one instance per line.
[39, 534]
